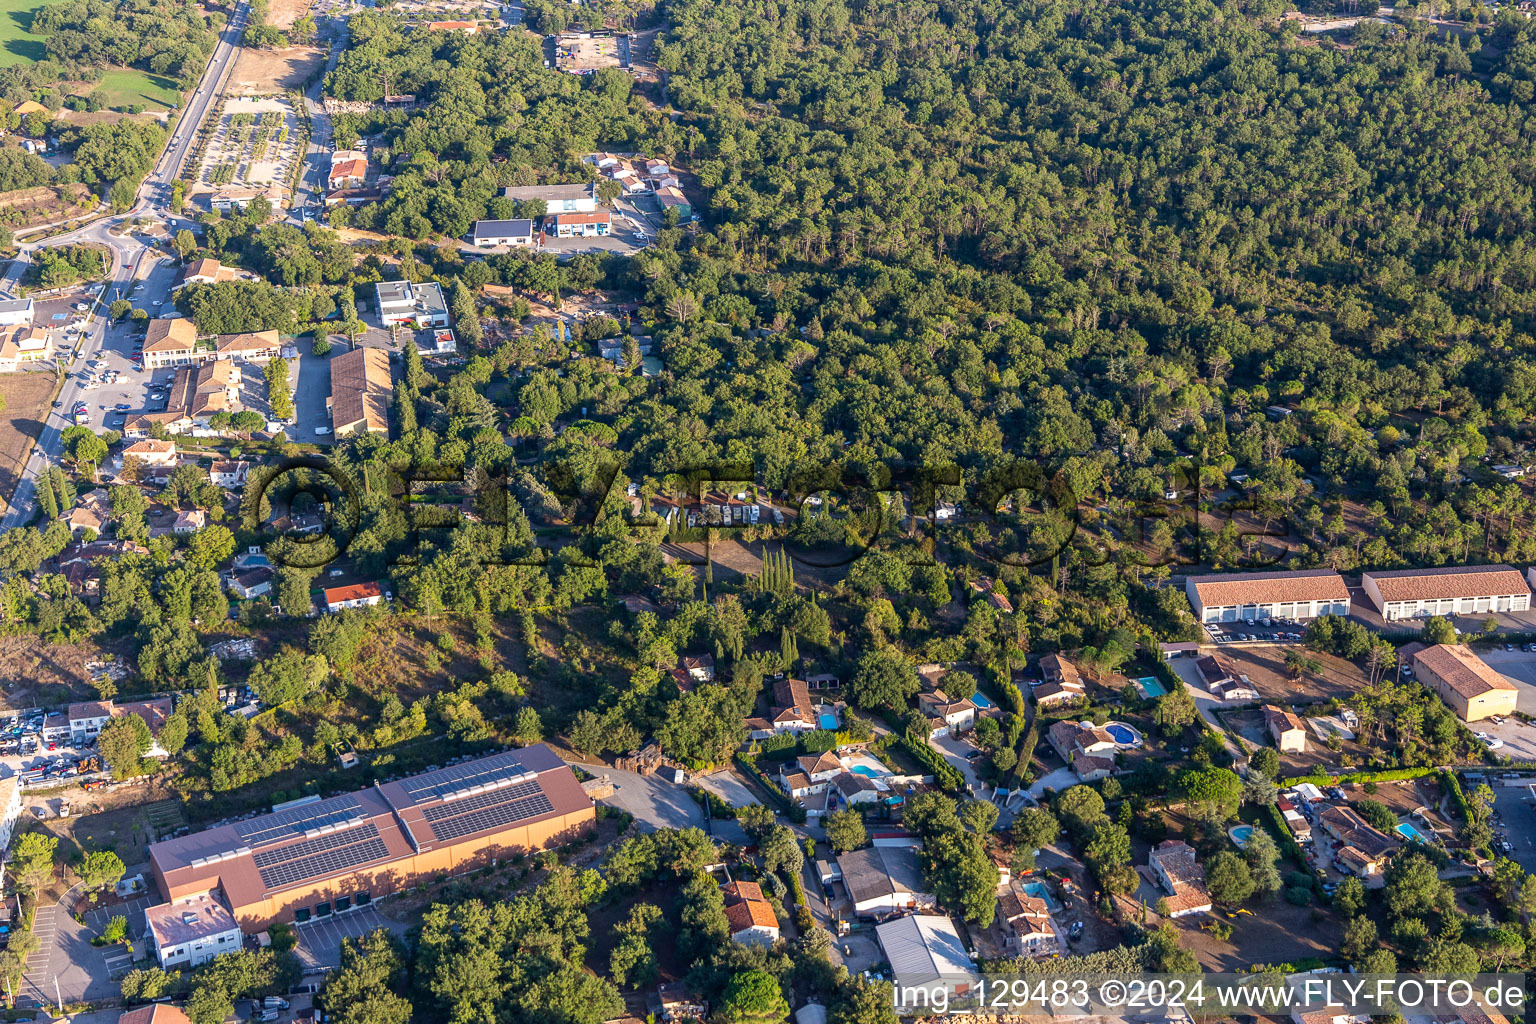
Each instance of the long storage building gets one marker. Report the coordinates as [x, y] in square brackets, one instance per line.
[330, 855]
[1452, 590]
[1249, 596]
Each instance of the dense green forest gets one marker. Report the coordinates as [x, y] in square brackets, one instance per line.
[166, 39]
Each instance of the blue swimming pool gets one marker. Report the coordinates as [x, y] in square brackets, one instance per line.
[980, 701]
[1039, 891]
[1411, 834]
[1121, 734]
[828, 722]
[1151, 687]
[864, 770]
[1241, 834]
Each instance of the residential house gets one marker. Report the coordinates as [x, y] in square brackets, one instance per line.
[1348, 827]
[1173, 863]
[580, 198]
[404, 302]
[250, 584]
[1061, 682]
[1469, 685]
[1453, 590]
[489, 233]
[854, 789]
[252, 347]
[670, 197]
[171, 342]
[809, 774]
[192, 931]
[356, 595]
[361, 390]
[229, 473]
[1221, 679]
[1249, 596]
[1353, 861]
[200, 391]
[149, 452]
[792, 711]
[438, 342]
[84, 581]
[1088, 749]
[1285, 728]
[881, 880]
[189, 522]
[23, 343]
[205, 271]
[579, 225]
[751, 917]
[349, 168]
[927, 956]
[675, 1001]
[1026, 923]
[700, 667]
[946, 717]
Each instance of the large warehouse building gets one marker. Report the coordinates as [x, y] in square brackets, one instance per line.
[330, 855]
[1469, 685]
[1245, 596]
[1454, 590]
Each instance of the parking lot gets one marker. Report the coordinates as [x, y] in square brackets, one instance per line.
[1278, 631]
[320, 941]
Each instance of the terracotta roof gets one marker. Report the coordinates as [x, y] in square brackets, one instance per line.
[1448, 582]
[1461, 669]
[348, 163]
[1056, 668]
[811, 764]
[170, 335]
[361, 388]
[150, 446]
[157, 1013]
[354, 592]
[257, 341]
[595, 217]
[743, 891]
[90, 709]
[1285, 721]
[750, 914]
[1269, 587]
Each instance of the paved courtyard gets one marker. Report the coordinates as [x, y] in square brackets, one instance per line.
[320, 940]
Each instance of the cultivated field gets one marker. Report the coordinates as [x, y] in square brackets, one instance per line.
[27, 399]
[265, 71]
[255, 144]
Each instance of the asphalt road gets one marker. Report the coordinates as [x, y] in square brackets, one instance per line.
[130, 258]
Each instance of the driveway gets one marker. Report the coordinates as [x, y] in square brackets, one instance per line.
[657, 804]
[1060, 779]
[957, 752]
[320, 940]
[728, 787]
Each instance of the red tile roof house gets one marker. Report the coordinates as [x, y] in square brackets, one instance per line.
[751, 916]
[357, 595]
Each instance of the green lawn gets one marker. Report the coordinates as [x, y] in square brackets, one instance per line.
[17, 45]
[123, 87]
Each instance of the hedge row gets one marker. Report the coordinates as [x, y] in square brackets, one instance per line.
[1284, 837]
[945, 775]
[1317, 775]
[1453, 786]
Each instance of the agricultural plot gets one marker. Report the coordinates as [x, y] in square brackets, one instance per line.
[255, 143]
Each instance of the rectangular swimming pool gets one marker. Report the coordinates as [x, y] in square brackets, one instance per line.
[1150, 687]
[1411, 834]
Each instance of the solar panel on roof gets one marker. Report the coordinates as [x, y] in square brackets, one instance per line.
[336, 840]
[330, 862]
[270, 828]
[453, 808]
[447, 827]
[471, 777]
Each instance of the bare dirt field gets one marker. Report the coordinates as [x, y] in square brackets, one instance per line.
[1265, 668]
[276, 70]
[124, 818]
[27, 398]
[34, 673]
[25, 207]
[283, 13]
[732, 558]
